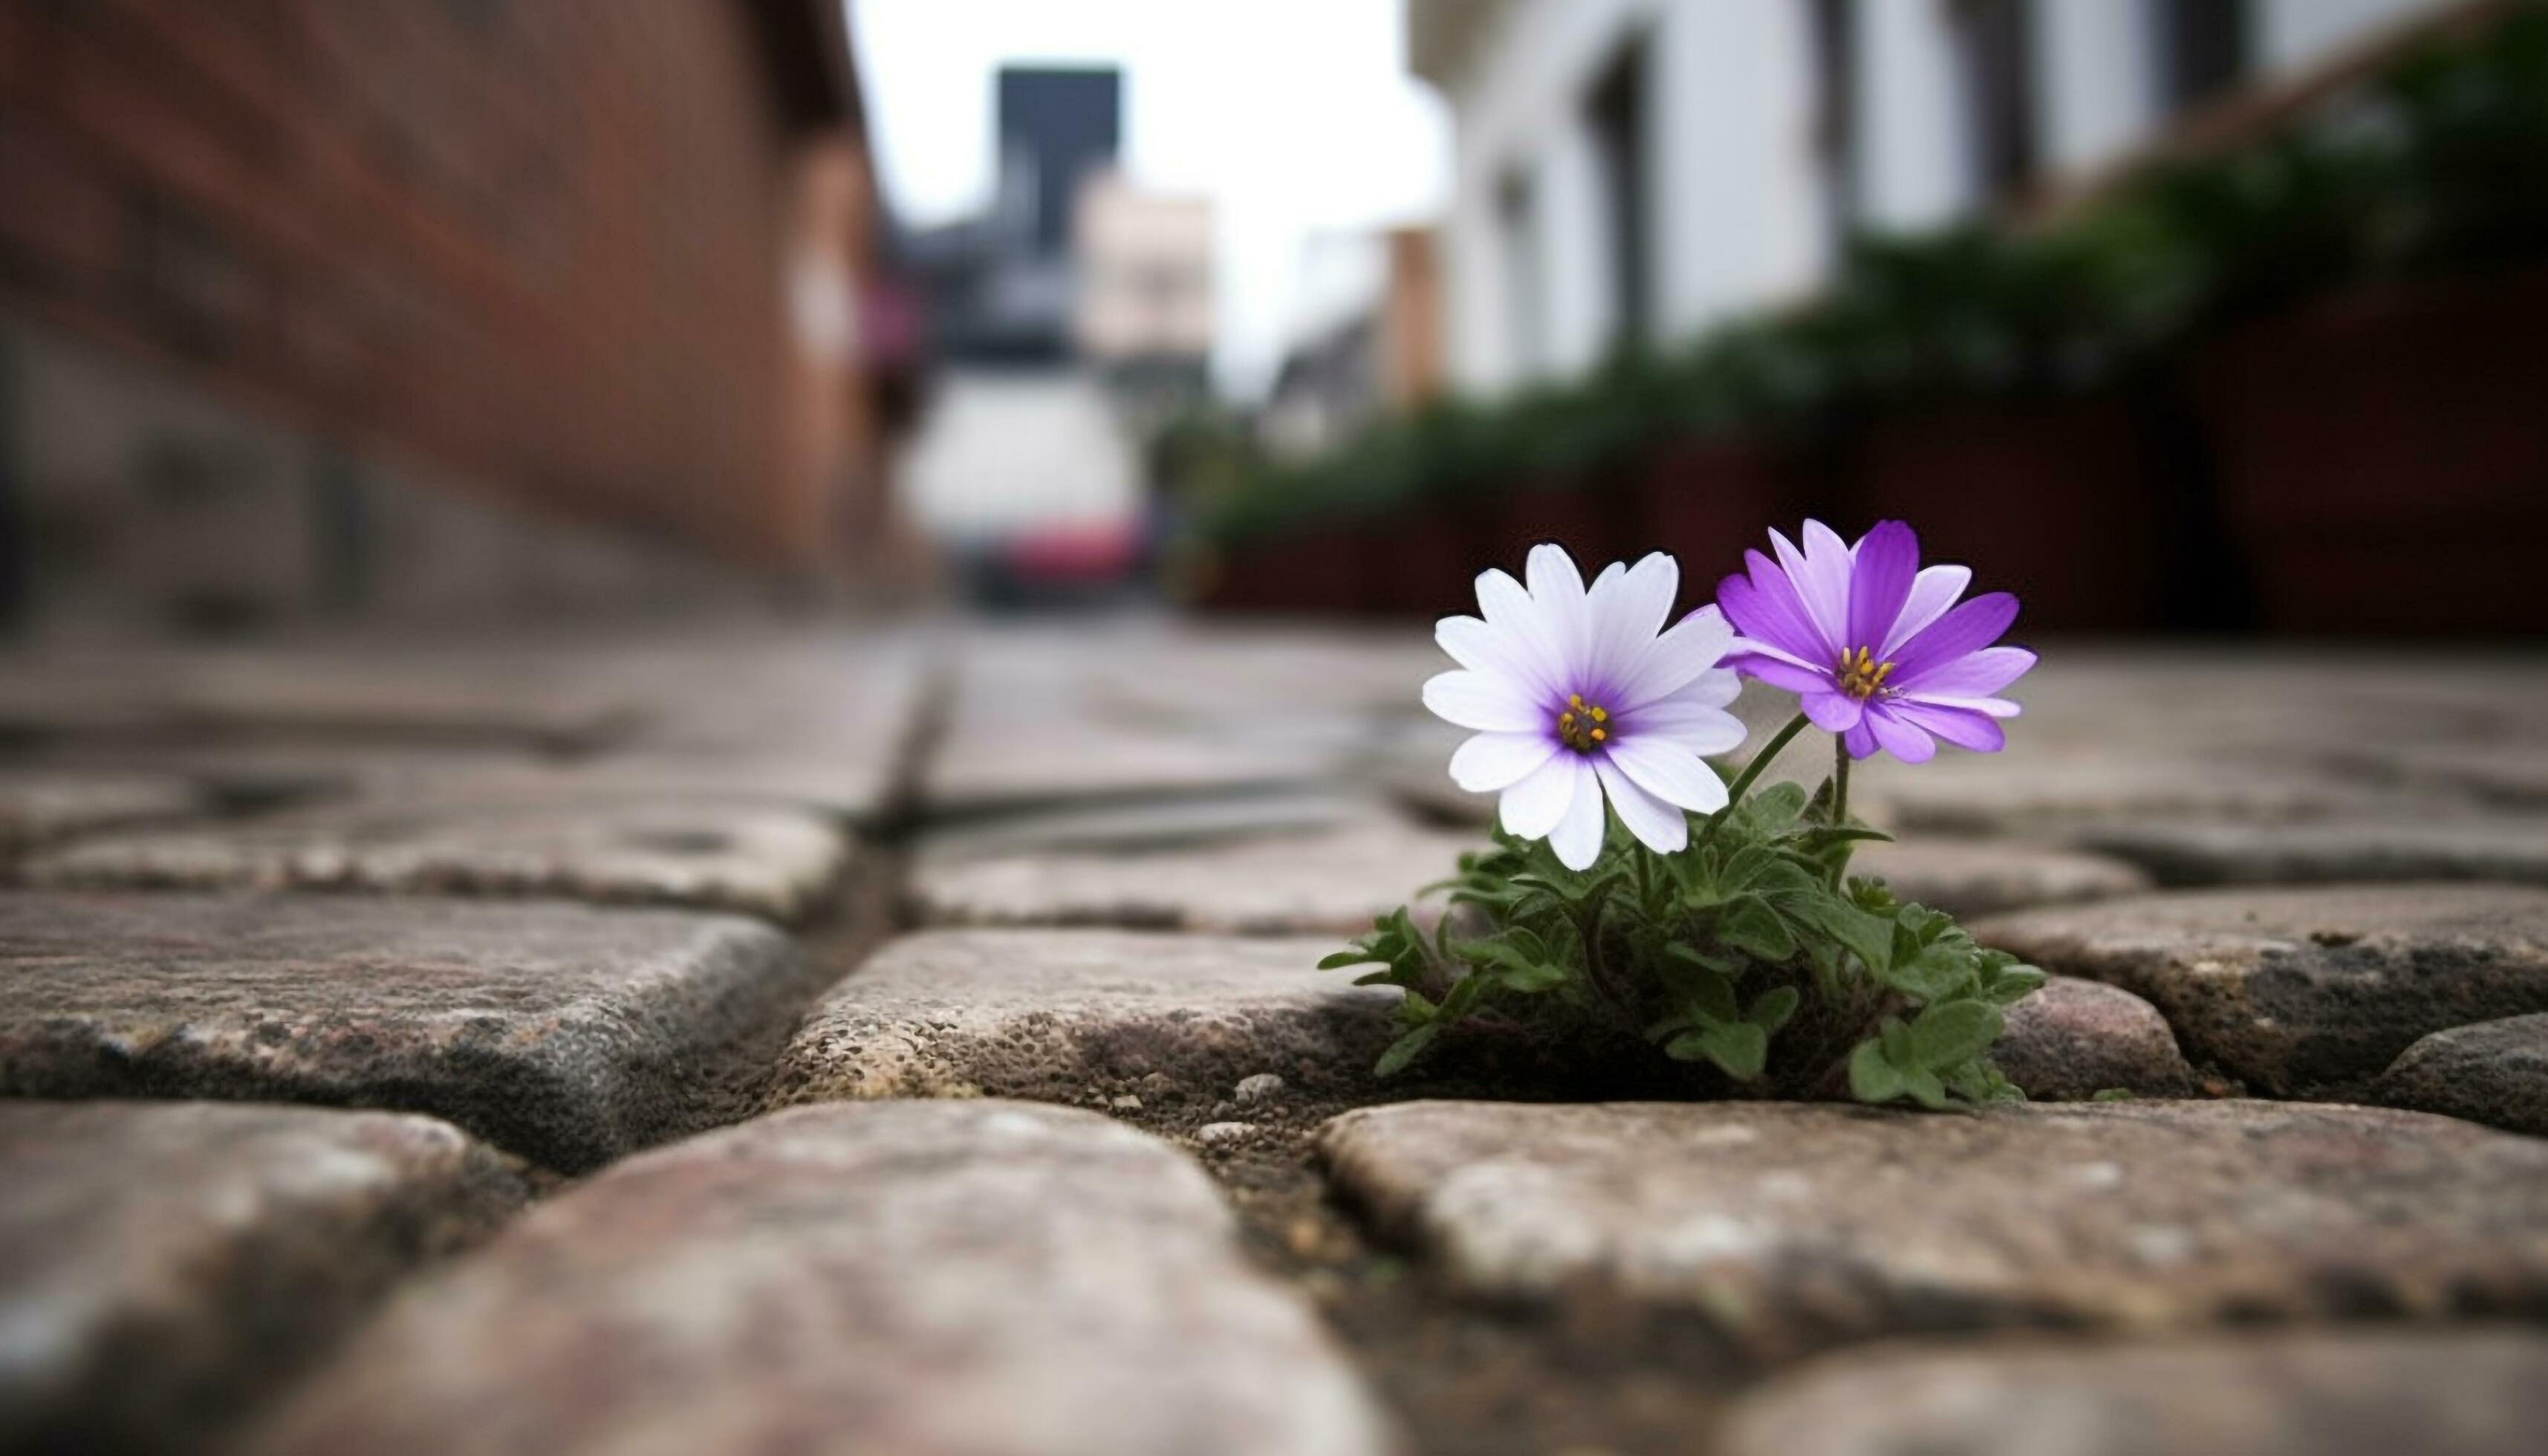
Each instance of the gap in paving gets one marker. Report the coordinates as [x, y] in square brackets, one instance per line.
[1466, 1377]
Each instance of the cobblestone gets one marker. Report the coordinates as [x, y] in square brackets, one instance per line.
[2383, 848]
[40, 806]
[976, 1277]
[2494, 1072]
[780, 863]
[161, 1265]
[1063, 1016]
[1793, 1224]
[2299, 989]
[2479, 1393]
[2073, 1039]
[564, 1033]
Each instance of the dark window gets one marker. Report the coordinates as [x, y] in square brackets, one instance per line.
[1518, 227]
[1835, 40]
[1617, 108]
[1994, 52]
[2202, 47]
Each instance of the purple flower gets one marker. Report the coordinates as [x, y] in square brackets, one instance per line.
[1878, 646]
[1576, 697]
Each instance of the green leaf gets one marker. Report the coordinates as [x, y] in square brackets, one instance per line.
[1417, 1007]
[1898, 1042]
[1953, 1031]
[1773, 811]
[1343, 959]
[1872, 1077]
[1773, 1008]
[1531, 979]
[1404, 1050]
[1749, 925]
[1740, 1048]
[1866, 936]
[1925, 1088]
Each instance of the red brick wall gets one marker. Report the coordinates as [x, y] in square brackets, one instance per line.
[538, 243]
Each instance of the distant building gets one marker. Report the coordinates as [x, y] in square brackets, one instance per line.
[311, 310]
[1648, 167]
[1000, 287]
[1142, 313]
[1370, 340]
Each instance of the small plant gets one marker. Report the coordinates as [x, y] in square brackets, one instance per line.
[1635, 896]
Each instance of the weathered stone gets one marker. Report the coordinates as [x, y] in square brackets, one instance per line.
[2043, 792]
[2295, 990]
[2494, 1072]
[1796, 1224]
[163, 1263]
[1214, 1134]
[565, 1034]
[973, 1277]
[2073, 1039]
[42, 806]
[535, 697]
[2382, 848]
[980, 766]
[1331, 884]
[2352, 1392]
[783, 864]
[1262, 1087]
[1053, 1015]
[1152, 826]
[1966, 877]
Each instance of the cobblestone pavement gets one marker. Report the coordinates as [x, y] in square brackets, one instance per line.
[908, 1041]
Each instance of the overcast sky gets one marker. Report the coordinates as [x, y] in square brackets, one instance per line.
[1297, 117]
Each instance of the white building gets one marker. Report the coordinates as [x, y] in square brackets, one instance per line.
[1655, 165]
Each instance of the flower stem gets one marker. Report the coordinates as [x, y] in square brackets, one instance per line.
[1743, 781]
[1840, 780]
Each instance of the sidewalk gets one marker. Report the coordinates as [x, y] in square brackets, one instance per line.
[908, 1041]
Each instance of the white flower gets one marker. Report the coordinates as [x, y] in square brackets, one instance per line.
[1575, 696]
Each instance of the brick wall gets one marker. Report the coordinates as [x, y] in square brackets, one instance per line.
[543, 247]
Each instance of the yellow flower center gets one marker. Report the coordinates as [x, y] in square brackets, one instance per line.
[1583, 725]
[1861, 676]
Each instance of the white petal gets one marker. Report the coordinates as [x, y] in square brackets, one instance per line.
[1532, 807]
[1577, 839]
[1657, 825]
[1510, 612]
[1713, 689]
[1477, 701]
[1701, 729]
[1676, 660]
[1496, 651]
[1557, 590]
[1932, 593]
[1496, 760]
[1627, 609]
[1673, 774]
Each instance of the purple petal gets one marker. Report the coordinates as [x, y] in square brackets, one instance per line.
[1962, 727]
[1779, 673]
[1879, 582]
[1968, 628]
[1859, 740]
[1492, 761]
[1976, 674]
[1764, 607]
[1897, 737]
[1577, 839]
[1673, 774]
[1932, 593]
[1532, 807]
[1657, 825]
[1820, 576]
[1833, 713]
